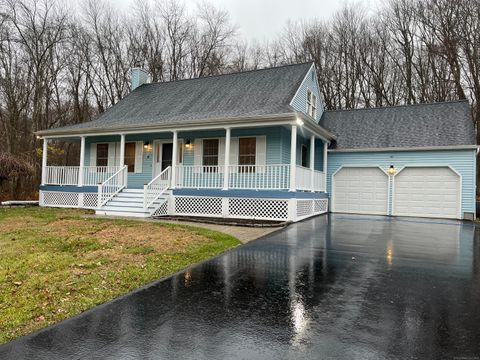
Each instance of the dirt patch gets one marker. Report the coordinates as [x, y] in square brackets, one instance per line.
[160, 238]
[68, 227]
[17, 223]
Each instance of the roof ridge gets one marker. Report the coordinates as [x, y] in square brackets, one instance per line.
[227, 74]
[401, 105]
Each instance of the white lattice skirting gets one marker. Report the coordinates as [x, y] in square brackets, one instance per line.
[205, 206]
[68, 199]
[247, 208]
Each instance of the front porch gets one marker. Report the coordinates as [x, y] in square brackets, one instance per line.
[232, 172]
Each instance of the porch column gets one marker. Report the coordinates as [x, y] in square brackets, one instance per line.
[312, 162]
[226, 170]
[174, 158]
[293, 158]
[44, 161]
[82, 161]
[325, 155]
[122, 150]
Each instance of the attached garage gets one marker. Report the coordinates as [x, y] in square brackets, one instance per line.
[427, 192]
[360, 190]
[417, 160]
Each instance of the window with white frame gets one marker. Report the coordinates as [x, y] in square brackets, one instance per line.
[102, 155]
[210, 154]
[247, 148]
[311, 104]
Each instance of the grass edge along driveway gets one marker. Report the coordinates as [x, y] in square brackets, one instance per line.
[57, 263]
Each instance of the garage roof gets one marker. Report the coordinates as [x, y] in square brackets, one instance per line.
[421, 125]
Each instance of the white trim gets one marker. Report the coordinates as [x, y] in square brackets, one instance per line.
[312, 162]
[174, 159]
[258, 121]
[160, 142]
[293, 158]
[82, 161]
[202, 124]
[44, 161]
[391, 149]
[121, 156]
[226, 156]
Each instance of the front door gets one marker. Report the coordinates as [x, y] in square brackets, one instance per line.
[167, 152]
[162, 156]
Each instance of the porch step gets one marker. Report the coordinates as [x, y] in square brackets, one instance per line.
[129, 202]
[132, 191]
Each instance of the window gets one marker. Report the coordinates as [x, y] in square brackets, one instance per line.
[130, 156]
[304, 155]
[311, 104]
[210, 154]
[102, 154]
[247, 148]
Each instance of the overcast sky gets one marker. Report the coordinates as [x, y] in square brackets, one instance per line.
[264, 19]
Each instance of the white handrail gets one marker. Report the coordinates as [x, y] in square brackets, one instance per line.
[112, 186]
[155, 188]
[69, 175]
[266, 177]
[318, 180]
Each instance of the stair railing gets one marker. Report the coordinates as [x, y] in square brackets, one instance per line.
[155, 188]
[112, 186]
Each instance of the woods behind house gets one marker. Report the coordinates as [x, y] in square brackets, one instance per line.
[63, 64]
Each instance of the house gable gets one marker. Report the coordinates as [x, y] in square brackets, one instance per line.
[299, 101]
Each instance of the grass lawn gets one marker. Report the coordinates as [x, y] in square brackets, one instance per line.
[56, 263]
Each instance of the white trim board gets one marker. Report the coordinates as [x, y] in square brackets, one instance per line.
[393, 149]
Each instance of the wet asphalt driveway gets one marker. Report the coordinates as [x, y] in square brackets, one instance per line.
[333, 287]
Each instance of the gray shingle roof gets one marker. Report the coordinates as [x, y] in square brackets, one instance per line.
[251, 93]
[422, 125]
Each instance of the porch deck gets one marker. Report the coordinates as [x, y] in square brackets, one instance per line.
[259, 192]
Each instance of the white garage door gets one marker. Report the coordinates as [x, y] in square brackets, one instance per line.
[427, 192]
[360, 191]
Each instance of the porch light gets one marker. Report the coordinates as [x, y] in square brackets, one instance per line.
[147, 146]
[392, 170]
[299, 122]
[188, 144]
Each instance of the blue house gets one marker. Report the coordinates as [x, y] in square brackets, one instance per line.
[259, 145]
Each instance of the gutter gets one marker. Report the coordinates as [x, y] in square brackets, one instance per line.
[195, 125]
[417, 148]
[238, 122]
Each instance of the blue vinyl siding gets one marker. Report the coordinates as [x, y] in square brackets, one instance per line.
[462, 161]
[274, 142]
[299, 102]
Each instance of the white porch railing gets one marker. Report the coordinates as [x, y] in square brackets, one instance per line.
[62, 175]
[94, 175]
[319, 181]
[267, 177]
[69, 175]
[199, 177]
[112, 186]
[155, 188]
[258, 177]
[303, 178]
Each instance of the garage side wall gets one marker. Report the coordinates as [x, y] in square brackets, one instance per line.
[463, 161]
